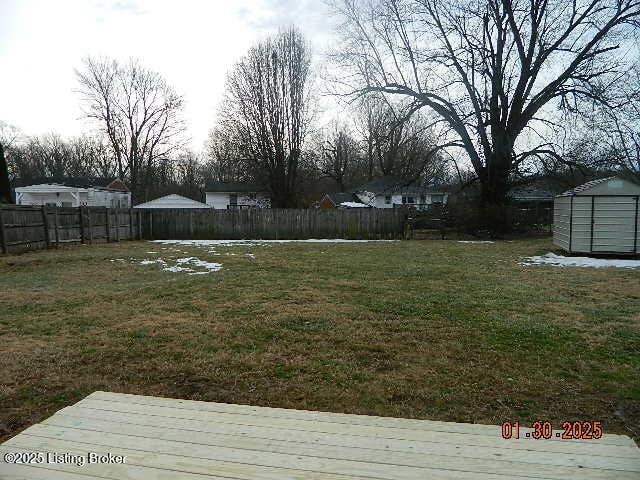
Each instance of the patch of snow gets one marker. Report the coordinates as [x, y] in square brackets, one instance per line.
[196, 262]
[146, 261]
[562, 261]
[354, 205]
[233, 243]
[177, 269]
[475, 241]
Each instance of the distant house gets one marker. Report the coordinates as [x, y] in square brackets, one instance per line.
[76, 192]
[236, 195]
[390, 192]
[172, 201]
[341, 200]
[536, 192]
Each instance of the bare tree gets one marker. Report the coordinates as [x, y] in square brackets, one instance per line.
[398, 142]
[266, 109]
[8, 135]
[337, 155]
[139, 113]
[493, 71]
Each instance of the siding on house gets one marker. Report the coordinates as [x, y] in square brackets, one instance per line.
[223, 200]
[65, 196]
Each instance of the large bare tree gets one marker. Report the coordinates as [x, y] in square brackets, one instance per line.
[266, 110]
[138, 112]
[496, 72]
[337, 155]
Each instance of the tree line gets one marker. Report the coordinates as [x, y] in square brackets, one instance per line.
[471, 94]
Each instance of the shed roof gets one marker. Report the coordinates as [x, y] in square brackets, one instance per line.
[173, 201]
[614, 185]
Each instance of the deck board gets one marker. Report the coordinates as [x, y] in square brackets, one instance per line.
[168, 438]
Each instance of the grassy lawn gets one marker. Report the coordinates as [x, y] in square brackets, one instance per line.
[426, 329]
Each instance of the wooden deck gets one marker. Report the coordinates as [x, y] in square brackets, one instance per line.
[179, 439]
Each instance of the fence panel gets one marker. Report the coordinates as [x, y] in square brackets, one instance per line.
[24, 228]
[271, 224]
[30, 228]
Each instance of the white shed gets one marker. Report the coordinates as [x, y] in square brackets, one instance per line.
[598, 217]
[173, 201]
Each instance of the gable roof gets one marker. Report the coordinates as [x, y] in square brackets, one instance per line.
[391, 184]
[339, 197]
[585, 188]
[113, 183]
[216, 186]
[173, 201]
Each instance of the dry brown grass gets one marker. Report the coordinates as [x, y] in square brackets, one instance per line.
[432, 329]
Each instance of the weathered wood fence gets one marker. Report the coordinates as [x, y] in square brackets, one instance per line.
[29, 227]
[25, 228]
[258, 223]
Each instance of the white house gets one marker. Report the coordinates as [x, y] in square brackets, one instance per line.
[172, 201]
[114, 195]
[393, 192]
[235, 195]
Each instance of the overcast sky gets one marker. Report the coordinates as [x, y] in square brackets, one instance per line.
[192, 43]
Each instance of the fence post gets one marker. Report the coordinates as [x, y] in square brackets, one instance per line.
[56, 226]
[117, 224]
[150, 225]
[90, 225]
[139, 215]
[82, 232]
[130, 223]
[107, 226]
[3, 234]
[45, 226]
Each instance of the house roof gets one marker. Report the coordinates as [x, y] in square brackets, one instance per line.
[532, 193]
[339, 197]
[173, 201]
[216, 186]
[111, 183]
[395, 184]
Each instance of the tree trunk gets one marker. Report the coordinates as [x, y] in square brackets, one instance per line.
[5, 189]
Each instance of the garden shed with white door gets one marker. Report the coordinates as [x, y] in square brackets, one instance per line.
[598, 217]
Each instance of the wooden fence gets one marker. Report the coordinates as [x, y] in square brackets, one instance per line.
[276, 224]
[25, 228]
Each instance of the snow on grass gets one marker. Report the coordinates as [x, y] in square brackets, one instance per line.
[196, 262]
[475, 241]
[146, 261]
[188, 265]
[562, 261]
[233, 243]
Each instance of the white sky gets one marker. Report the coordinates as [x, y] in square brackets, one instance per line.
[192, 43]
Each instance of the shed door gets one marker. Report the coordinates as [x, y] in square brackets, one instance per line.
[614, 224]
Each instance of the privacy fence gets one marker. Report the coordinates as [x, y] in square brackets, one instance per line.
[28, 228]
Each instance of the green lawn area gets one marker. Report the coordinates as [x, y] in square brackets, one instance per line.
[425, 329]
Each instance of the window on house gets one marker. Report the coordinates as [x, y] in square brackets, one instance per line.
[233, 199]
[67, 204]
[437, 198]
[423, 199]
[408, 199]
[387, 199]
[51, 204]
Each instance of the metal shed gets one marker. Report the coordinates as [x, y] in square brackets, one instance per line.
[598, 217]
